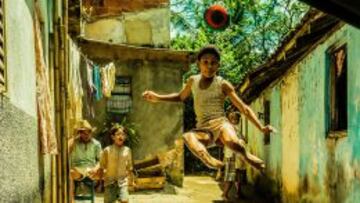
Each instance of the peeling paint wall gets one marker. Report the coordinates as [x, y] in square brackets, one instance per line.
[307, 166]
[290, 136]
[353, 167]
[150, 27]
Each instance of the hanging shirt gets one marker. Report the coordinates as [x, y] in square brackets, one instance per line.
[97, 82]
[108, 79]
[89, 75]
[111, 71]
[90, 89]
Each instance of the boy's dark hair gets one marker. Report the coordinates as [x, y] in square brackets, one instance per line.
[236, 113]
[209, 49]
[117, 127]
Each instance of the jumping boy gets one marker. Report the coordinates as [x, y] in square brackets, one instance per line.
[209, 92]
[116, 163]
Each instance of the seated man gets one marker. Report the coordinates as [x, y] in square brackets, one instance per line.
[84, 154]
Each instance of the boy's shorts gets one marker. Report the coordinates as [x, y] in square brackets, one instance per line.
[113, 192]
[230, 170]
[213, 128]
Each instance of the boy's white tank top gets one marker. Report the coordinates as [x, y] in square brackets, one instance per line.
[208, 103]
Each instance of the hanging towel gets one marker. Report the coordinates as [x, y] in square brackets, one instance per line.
[108, 79]
[97, 82]
[45, 109]
[90, 89]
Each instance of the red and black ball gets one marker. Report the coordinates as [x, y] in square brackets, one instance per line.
[216, 16]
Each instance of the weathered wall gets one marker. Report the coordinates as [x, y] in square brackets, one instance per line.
[158, 124]
[19, 152]
[352, 159]
[20, 56]
[23, 169]
[150, 27]
[313, 168]
[290, 136]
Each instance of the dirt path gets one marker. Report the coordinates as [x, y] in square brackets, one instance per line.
[197, 189]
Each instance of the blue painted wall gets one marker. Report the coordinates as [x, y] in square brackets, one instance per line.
[329, 169]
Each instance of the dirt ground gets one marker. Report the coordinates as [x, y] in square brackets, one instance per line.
[196, 189]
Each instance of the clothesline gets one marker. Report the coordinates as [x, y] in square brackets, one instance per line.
[87, 60]
[101, 80]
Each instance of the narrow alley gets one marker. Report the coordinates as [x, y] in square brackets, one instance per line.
[179, 101]
[196, 189]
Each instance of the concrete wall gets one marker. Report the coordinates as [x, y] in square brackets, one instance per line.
[22, 167]
[304, 165]
[150, 27]
[20, 56]
[158, 125]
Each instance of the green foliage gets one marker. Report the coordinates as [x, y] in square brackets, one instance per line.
[132, 137]
[257, 27]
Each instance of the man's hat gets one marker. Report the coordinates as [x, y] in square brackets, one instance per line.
[84, 125]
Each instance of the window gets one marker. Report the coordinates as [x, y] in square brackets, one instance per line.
[120, 101]
[2, 49]
[338, 92]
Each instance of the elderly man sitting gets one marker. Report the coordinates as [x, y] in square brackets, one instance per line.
[84, 154]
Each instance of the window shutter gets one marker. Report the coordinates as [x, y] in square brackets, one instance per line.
[2, 48]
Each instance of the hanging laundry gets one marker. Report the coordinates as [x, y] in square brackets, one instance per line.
[75, 89]
[104, 82]
[97, 82]
[111, 71]
[45, 108]
[90, 89]
[89, 77]
[108, 79]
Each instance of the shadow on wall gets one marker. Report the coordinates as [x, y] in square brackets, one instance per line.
[268, 188]
[336, 184]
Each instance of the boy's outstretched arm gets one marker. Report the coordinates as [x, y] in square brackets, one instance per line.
[229, 91]
[152, 96]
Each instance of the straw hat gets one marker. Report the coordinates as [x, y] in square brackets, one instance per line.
[84, 125]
